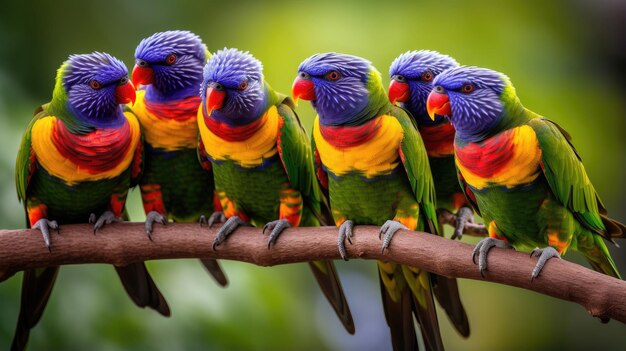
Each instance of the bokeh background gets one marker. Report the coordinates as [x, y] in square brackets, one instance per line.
[566, 58]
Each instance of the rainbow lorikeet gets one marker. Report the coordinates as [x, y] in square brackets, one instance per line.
[174, 184]
[412, 75]
[78, 158]
[521, 172]
[262, 159]
[370, 158]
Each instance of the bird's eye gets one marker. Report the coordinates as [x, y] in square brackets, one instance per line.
[243, 85]
[95, 85]
[427, 76]
[467, 88]
[170, 59]
[333, 75]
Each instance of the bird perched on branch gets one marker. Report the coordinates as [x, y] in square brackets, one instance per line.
[261, 159]
[521, 172]
[78, 158]
[174, 184]
[412, 75]
[370, 159]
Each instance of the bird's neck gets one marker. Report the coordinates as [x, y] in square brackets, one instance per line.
[153, 93]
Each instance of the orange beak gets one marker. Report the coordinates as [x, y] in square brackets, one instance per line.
[303, 89]
[125, 93]
[214, 99]
[438, 104]
[142, 75]
[398, 92]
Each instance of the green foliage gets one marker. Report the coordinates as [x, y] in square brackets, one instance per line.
[560, 70]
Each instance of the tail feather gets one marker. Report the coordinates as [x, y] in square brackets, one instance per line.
[141, 288]
[214, 269]
[447, 292]
[615, 228]
[399, 316]
[328, 280]
[599, 257]
[424, 309]
[37, 286]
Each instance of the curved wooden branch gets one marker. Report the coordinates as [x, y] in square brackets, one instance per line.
[123, 243]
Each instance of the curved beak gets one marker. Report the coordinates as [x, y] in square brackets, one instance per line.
[142, 75]
[125, 93]
[214, 99]
[398, 92]
[303, 88]
[438, 104]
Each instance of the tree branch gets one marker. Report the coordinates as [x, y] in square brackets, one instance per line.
[123, 243]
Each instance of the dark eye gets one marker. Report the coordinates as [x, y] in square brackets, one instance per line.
[243, 85]
[427, 76]
[170, 59]
[95, 85]
[467, 88]
[333, 75]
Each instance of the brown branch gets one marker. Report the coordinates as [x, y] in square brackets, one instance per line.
[123, 243]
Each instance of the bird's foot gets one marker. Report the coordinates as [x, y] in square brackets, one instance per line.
[544, 255]
[215, 217]
[345, 232]
[482, 249]
[276, 228]
[228, 228]
[463, 216]
[151, 218]
[388, 230]
[44, 226]
[106, 218]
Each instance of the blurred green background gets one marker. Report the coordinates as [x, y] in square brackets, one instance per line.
[566, 58]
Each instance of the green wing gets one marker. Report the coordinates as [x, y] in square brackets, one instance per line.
[415, 160]
[25, 166]
[295, 153]
[567, 177]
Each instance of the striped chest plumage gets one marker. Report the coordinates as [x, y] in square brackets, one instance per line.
[169, 125]
[249, 146]
[102, 154]
[508, 159]
[370, 149]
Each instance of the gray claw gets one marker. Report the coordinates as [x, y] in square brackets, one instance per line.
[389, 229]
[151, 218]
[106, 218]
[482, 249]
[44, 227]
[544, 255]
[463, 215]
[228, 228]
[276, 227]
[92, 218]
[345, 232]
[216, 217]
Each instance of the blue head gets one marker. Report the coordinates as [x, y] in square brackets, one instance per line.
[474, 98]
[412, 75]
[171, 63]
[342, 88]
[91, 87]
[233, 90]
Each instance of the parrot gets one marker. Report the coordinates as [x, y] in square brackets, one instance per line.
[78, 157]
[412, 75]
[371, 161]
[174, 184]
[521, 172]
[262, 160]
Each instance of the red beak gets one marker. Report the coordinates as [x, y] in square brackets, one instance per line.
[142, 75]
[125, 93]
[398, 91]
[438, 104]
[303, 89]
[214, 99]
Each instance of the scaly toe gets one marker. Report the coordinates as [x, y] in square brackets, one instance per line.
[544, 255]
[345, 232]
[389, 228]
[277, 228]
